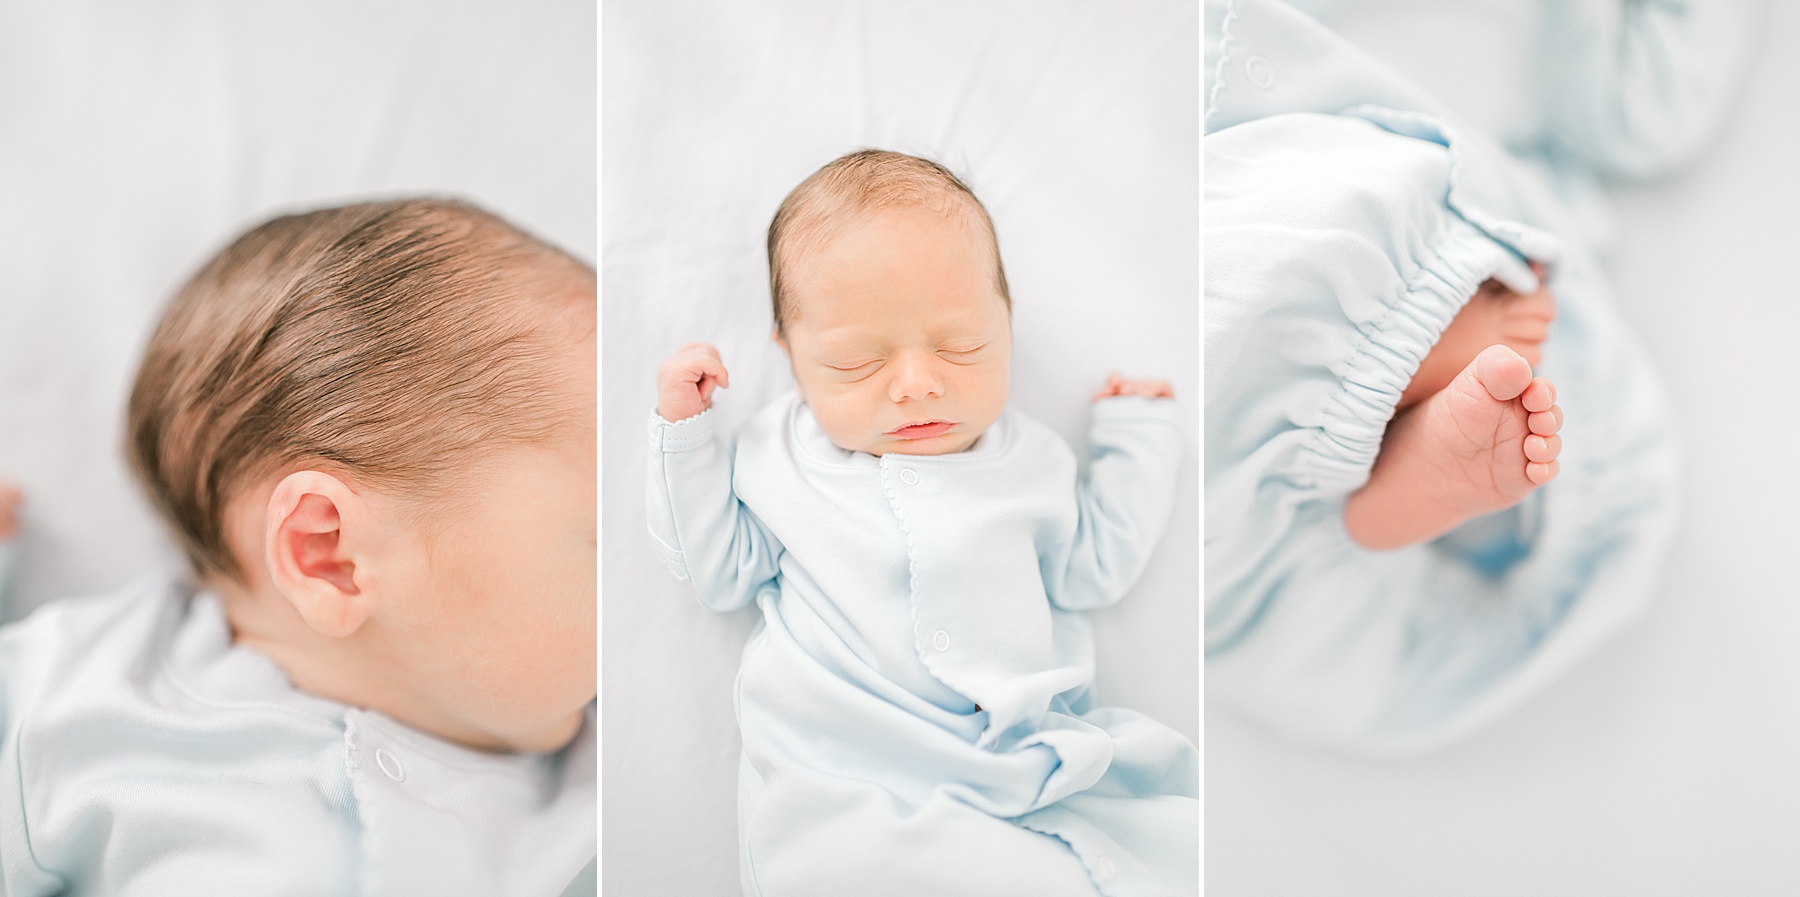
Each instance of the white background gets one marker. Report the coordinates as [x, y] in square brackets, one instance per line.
[1076, 123]
[1667, 763]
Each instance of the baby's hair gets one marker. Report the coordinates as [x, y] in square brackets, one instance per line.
[388, 341]
[861, 181]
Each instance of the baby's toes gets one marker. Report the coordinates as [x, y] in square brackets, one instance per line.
[1541, 473]
[1503, 373]
[1542, 449]
[1539, 396]
[1545, 423]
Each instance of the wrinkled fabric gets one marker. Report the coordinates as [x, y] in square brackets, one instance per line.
[1348, 218]
[914, 705]
[1628, 88]
[145, 754]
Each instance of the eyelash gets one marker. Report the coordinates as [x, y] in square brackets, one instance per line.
[873, 364]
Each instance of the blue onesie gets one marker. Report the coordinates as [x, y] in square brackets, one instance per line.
[1348, 218]
[142, 753]
[914, 705]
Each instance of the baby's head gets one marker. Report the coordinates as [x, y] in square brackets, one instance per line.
[891, 303]
[1494, 316]
[372, 431]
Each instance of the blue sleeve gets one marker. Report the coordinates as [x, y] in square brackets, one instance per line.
[703, 532]
[1123, 503]
[1638, 87]
[20, 873]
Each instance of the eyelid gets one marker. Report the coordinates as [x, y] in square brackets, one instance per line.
[857, 366]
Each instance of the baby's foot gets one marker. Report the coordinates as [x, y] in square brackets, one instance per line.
[1481, 444]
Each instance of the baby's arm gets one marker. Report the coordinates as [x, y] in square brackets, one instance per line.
[705, 534]
[1124, 502]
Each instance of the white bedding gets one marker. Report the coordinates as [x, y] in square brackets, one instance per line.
[1077, 125]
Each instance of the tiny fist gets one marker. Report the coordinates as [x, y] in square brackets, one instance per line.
[685, 382]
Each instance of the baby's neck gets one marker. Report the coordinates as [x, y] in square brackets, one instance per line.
[355, 670]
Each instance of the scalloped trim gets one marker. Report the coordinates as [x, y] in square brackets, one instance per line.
[1225, 40]
[912, 574]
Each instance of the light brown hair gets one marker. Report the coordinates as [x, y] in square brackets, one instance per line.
[387, 340]
[858, 182]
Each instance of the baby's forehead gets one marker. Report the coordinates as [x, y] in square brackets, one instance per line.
[815, 228]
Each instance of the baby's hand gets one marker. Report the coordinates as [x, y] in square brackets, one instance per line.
[9, 510]
[1120, 386]
[684, 383]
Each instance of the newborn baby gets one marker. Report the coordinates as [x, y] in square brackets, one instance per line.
[371, 430]
[1474, 432]
[914, 704]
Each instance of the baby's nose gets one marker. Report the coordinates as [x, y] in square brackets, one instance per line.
[914, 379]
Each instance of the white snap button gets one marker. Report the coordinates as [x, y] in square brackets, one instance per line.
[390, 765]
[909, 477]
[1103, 868]
[1260, 72]
[941, 640]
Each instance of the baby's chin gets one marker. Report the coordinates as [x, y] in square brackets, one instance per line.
[550, 738]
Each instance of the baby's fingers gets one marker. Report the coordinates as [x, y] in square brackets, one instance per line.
[1113, 382]
[1156, 389]
[698, 363]
[9, 501]
[714, 371]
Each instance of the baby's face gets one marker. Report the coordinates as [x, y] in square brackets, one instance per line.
[495, 615]
[504, 628]
[899, 340]
[1494, 316]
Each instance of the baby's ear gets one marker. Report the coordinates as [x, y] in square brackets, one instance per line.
[776, 336]
[305, 549]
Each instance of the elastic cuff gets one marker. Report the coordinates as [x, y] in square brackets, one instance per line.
[683, 435]
[1113, 409]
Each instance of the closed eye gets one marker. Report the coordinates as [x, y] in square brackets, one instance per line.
[853, 365]
[853, 371]
[959, 355]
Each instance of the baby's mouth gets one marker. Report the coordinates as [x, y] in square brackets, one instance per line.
[922, 429]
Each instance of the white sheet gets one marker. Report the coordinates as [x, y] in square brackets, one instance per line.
[1076, 123]
[1664, 764]
[137, 138]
